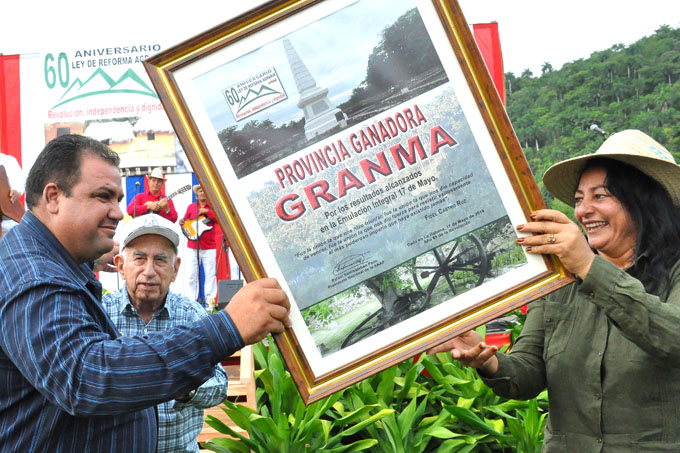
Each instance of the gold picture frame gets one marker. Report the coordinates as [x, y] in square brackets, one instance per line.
[380, 187]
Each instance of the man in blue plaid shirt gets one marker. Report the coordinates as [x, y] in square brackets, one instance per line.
[148, 263]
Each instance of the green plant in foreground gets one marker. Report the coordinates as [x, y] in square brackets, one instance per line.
[425, 405]
[283, 422]
[408, 428]
[481, 420]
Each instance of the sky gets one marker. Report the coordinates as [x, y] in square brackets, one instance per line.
[532, 31]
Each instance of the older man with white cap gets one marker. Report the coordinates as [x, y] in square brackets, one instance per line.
[148, 263]
[151, 200]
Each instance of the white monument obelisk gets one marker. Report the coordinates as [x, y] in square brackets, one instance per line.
[320, 114]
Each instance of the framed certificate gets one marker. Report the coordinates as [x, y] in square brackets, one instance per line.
[358, 152]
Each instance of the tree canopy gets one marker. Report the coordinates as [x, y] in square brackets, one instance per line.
[623, 87]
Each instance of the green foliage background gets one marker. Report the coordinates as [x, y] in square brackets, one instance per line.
[623, 87]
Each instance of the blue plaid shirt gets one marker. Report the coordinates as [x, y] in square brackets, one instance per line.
[178, 423]
[68, 380]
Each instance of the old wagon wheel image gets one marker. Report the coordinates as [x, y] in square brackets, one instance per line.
[461, 263]
[393, 310]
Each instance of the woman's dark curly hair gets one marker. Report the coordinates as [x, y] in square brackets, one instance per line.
[655, 216]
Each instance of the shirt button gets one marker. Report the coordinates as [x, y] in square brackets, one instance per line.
[591, 294]
[548, 319]
[599, 441]
[598, 396]
[599, 353]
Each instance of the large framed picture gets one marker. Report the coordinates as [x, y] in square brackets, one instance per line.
[358, 152]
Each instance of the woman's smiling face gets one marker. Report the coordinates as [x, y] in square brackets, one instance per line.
[609, 227]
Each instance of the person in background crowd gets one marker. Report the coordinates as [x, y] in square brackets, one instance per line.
[606, 347]
[16, 179]
[199, 221]
[148, 263]
[69, 381]
[152, 200]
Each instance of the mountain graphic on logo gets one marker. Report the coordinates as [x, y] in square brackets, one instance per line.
[101, 83]
[262, 92]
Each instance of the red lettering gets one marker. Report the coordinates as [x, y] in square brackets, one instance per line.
[399, 153]
[436, 143]
[279, 176]
[320, 159]
[293, 211]
[299, 171]
[354, 141]
[308, 166]
[369, 168]
[419, 115]
[391, 125]
[409, 118]
[330, 159]
[373, 134]
[289, 173]
[364, 140]
[343, 151]
[346, 181]
[401, 124]
[316, 190]
[384, 135]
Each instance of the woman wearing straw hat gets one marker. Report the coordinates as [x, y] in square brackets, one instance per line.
[606, 347]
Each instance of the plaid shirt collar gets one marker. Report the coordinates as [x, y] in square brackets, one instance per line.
[124, 306]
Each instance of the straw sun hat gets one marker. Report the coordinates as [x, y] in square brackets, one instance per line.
[157, 173]
[632, 147]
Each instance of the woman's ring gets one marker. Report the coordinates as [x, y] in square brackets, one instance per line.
[551, 238]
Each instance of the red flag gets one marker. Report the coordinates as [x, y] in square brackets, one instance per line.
[10, 111]
[223, 268]
[489, 43]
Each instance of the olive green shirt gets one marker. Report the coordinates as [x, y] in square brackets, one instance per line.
[609, 354]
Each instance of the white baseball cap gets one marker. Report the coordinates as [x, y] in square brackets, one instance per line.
[149, 224]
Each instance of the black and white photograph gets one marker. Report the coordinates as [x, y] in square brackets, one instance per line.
[312, 84]
[404, 291]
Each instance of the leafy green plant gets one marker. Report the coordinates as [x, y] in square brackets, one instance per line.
[284, 424]
[424, 405]
[481, 420]
[409, 427]
[528, 427]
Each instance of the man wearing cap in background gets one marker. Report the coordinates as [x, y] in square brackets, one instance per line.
[148, 263]
[199, 222]
[69, 381]
[152, 200]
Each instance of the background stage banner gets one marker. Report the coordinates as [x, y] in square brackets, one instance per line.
[104, 93]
